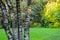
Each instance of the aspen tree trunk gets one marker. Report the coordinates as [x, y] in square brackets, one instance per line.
[27, 20]
[19, 20]
[13, 19]
[5, 21]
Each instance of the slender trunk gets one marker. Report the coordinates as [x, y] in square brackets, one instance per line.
[19, 20]
[26, 28]
[27, 20]
[5, 21]
[41, 13]
[13, 19]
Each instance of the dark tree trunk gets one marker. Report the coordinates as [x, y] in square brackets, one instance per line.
[41, 13]
[12, 18]
[19, 20]
[27, 20]
[5, 21]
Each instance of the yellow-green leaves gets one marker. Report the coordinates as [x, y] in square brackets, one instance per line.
[51, 10]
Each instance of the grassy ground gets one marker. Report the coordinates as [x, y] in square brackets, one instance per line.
[38, 34]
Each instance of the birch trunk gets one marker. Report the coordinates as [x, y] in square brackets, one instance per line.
[27, 20]
[19, 20]
[5, 21]
[13, 19]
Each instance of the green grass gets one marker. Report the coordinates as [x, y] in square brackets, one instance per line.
[38, 34]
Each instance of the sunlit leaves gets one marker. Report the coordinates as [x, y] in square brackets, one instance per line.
[50, 10]
[52, 13]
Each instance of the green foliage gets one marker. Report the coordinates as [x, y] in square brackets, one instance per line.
[38, 11]
[0, 25]
[52, 13]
